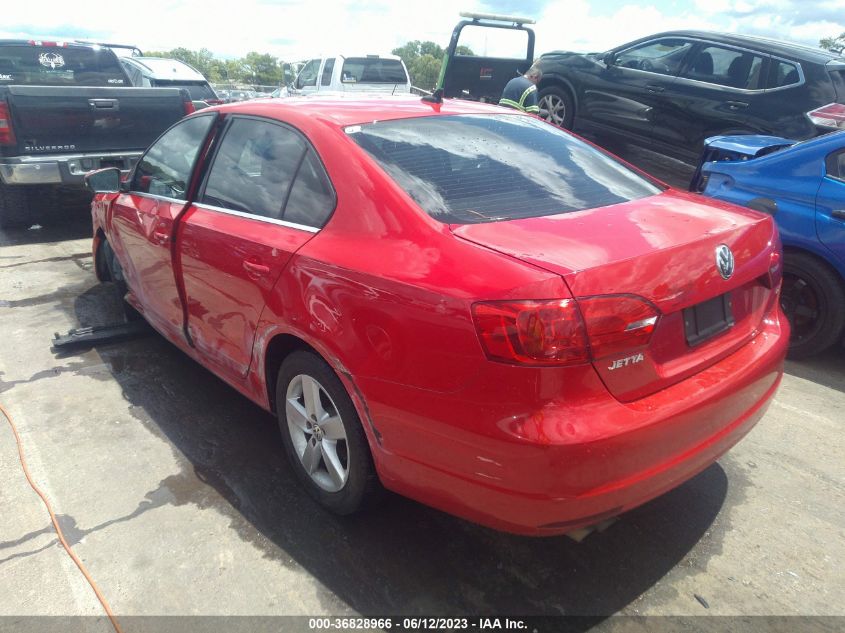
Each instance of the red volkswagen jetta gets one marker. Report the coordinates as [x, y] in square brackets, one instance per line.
[466, 304]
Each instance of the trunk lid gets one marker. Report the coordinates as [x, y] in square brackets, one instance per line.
[663, 249]
[69, 119]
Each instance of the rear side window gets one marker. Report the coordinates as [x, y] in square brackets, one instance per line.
[838, 79]
[311, 200]
[373, 70]
[783, 74]
[165, 170]
[328, 68]
[254, 168]
[836, 165]
[60, 66]
[726, 67]
[470, 169]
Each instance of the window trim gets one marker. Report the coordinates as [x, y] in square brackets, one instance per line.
[193, 173]
[212, 157]
[831, 166]
[697, 40]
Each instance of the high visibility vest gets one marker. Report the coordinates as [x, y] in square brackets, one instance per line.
[520, 94]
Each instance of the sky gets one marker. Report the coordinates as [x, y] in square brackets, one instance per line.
[296, 29]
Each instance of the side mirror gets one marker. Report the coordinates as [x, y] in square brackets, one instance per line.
[609, 58]
[103, 180]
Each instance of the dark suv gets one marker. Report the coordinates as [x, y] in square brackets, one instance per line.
[672, 90]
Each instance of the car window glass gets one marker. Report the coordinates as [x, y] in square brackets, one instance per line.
[373, 70]
[836, 165]
[68, 65]
[165, 170]
[328, 68]
[254, 167]
[468, 169]
[311, 198]
[783, 74]
[308, 74]
[725, 67]
[663, 56]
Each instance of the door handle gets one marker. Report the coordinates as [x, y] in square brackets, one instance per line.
[839, 214]
[654, 88]
[736, 105]
[255, 268]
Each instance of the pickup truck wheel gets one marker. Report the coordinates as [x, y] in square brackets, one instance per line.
[14, 206]
[813, 299]
[557, 106]
[322, 434]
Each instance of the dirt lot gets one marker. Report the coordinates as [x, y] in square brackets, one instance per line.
[171, 488]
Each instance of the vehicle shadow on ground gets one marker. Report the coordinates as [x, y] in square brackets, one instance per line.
[400, 557]
[70, 222]
[826, 369]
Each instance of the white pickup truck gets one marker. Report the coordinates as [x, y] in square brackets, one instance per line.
[384, 74]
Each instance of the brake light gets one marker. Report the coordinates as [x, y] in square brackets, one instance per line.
[563, 331]
[617, 323]
[532, 332]
[45, 43]
[189, 107]
[832, 115]
[7, 134]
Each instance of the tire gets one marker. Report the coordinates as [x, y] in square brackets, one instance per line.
[14, 206]
[813, 299]
[117, 278]
[557, 106]
[331, 458]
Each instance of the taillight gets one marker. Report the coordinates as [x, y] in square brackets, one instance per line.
[7, 134]
[189, 107]
[832, 115]
[46, 43]
[531, 332]
[563, 331]
[617, 323]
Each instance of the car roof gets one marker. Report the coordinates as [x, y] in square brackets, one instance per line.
[339, 112]
[165, 68]
[763, 44]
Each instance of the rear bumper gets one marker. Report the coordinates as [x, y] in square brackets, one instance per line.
[569, 465]
[63, 169]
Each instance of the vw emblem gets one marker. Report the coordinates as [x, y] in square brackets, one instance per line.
[724, 261]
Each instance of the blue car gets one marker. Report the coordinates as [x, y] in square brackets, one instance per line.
[803, 186]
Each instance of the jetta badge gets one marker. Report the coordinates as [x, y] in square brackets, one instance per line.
[724, 261]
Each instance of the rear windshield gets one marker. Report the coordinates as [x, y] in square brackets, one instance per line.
[59, 66]
[468, 169]
[372, 70]
[199, 90]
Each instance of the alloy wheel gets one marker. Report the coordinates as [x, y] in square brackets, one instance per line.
[553, 109]
[317, 432]
[800, 303]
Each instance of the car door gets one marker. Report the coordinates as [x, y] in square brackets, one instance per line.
[720, 89]
[143, 219]
[830, 206]
[266, 194]
[625, 94]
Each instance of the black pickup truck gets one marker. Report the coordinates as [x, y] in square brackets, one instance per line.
[65, 109]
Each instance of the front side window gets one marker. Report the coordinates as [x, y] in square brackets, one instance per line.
[468, 169]
[308, 74]
[726, 67]
[165, 170]
[663, 56]
[254, 168]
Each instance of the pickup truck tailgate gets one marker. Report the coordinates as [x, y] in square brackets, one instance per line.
[57, 119]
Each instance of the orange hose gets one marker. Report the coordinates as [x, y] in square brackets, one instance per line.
[59, 532]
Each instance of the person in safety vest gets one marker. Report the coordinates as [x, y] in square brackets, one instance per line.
[521, 92]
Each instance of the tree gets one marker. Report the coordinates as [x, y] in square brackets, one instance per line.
[262, 69]
[836, 44]
[423, 60]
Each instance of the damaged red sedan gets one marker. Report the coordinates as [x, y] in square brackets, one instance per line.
[460, 303]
